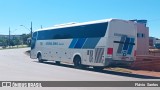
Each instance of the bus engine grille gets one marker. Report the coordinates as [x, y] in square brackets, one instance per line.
[98, 55]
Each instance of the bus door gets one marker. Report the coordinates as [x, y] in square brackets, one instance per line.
[33, 46]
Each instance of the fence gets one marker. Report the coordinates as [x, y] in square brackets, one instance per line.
[153, 53]
[147, 62]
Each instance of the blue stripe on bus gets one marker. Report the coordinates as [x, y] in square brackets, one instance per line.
[125, 47]
[91, 43]
[73, 43]
[130, 46]
[80, 43]
[119, 50]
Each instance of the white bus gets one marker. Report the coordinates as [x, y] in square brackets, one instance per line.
[97, 43]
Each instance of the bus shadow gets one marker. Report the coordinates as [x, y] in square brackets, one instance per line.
[104, 71]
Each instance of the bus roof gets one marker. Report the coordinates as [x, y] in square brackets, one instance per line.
[76, 24]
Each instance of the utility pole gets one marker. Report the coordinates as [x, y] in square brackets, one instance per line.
[31, 29]
[9, 37]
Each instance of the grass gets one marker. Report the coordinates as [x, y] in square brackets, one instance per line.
[118, 69]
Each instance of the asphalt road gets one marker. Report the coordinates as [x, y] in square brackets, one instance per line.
[17, 66]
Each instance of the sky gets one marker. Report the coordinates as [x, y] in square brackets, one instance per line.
[47, 13]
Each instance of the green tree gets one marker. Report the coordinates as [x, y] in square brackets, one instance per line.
[24, 38]
[16, 41]
[12, 42]
[3, 42]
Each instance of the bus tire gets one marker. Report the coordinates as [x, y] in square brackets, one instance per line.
[58, 62]
[39, 56]
[77, 62]
[98, 68]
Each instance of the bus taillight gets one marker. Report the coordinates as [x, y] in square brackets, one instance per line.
[110, 51]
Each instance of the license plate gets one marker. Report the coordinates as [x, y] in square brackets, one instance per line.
[124, 58]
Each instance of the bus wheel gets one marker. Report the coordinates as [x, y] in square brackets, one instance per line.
[98, 68]
[58, 62]
[77, 62]
[39, 56]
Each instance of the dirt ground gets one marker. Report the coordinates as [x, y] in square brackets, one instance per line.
[148, 73]
[139, 72]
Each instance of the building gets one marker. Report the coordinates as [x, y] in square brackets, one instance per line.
[11, 36]
[152, 41]
[142, 37]
[157, 43]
